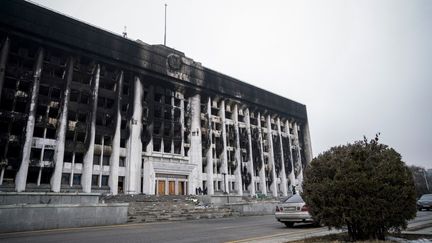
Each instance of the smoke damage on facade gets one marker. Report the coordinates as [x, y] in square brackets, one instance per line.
[82, 109]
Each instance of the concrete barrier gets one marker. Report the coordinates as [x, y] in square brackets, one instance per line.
[254, 208]
[10, 198]
[47, 216]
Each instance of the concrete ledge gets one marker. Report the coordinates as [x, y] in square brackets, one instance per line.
[26, 217]
[254, 208]
[10, 198]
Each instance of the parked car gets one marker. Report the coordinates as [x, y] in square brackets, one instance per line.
[425, 202]
[293, 210]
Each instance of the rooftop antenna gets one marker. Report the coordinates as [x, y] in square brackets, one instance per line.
[165, 24]
[124, 32]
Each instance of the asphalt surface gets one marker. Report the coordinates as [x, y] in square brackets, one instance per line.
[239, 229]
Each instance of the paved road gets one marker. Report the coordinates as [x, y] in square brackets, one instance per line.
[241, 229]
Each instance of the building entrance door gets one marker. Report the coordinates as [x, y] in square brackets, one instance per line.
[181, 188]
[171, 187]
[161, 187]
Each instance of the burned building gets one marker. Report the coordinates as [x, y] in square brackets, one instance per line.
[83, 109]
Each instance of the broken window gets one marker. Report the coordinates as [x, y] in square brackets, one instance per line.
[99, 120]
[55, 94]
[157, 144]
[74, 95]
[41, 110]
[125, 107]
[107, 141]
[80, 137]
[82, 117]
[70, 136]
[38, 132]
[123, 124]
[71, 116]
[167, 113]
[122, 143]
[101, 102]
[79, 158]
[84, 98]
[157, 112]
[6, 103]
[168, 100]
[157, 128]
[177, 102]
[177, 146]
[109, 103]
[108, 120]
[125, 90]
[48, 155]
[67, 157]
[35, 154]
[167, 145]
[20, 106]
[4, 125]
[157, 97]
[51, 133]
[177, 114]
[9, 83]
[43, 90]
[53, 112]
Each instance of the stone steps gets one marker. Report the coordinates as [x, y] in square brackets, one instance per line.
[144, 212]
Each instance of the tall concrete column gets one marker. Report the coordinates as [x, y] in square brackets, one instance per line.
[133, 169]
[195, 154]
[3, 60]
[250, 167]
[182, 122]
[298, 161]
[307, 143]
[209, 154]
[262, 171]
[61, 132]
[150, 118]
[237, 172]
[87, 169]
[290, 146]
[283, 175]
[21, 177]
[115, 152]
[273, 186]
[224, 153]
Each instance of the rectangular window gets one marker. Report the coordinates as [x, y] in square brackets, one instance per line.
[95, 180]
[122, 161]
[48, 155]
[65, 179]
[105, 160]
[104, 180]
[96, 159]
[76, 179]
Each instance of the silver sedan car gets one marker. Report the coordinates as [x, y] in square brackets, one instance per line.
[293, 210]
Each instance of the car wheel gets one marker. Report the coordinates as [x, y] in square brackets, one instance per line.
[419, 209]
[289, 224]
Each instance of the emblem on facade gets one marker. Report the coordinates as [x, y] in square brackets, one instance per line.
[174, 62]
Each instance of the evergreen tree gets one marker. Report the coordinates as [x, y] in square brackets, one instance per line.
[364, 186]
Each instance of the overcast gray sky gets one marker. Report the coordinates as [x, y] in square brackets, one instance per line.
[360, 67]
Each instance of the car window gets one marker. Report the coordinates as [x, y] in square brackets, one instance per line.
[294, 199]
[427, 196]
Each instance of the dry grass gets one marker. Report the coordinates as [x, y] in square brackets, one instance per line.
[343, 237]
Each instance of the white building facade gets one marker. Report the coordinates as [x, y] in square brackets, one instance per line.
[85, 110]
